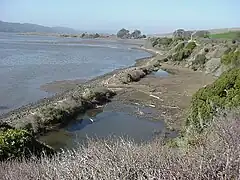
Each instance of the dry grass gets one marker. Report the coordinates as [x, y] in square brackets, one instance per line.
[216, 157]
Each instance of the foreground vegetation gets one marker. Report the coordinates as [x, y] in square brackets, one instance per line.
[216, 157]
[224, 93]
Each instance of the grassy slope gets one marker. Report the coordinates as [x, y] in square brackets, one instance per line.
[226, 35]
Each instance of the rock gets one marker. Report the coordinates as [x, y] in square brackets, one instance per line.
[221, 70]
[217, 52]
[135, 75]
[212, 65]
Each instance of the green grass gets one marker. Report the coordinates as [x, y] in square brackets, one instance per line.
[226, 35]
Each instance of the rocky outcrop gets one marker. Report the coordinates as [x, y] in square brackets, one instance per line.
[182, 34]
[212, 65]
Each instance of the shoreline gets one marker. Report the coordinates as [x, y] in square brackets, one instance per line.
[60, 95]
[170, 95]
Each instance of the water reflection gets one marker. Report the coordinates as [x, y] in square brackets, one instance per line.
[105, 122]
[160, 73]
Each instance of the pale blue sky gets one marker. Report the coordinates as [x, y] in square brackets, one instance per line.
[151, 16]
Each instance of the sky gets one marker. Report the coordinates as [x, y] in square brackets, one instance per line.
[150, 16]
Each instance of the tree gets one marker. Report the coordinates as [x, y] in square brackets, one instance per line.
[96, 35]
[136, 34]
[123, 33]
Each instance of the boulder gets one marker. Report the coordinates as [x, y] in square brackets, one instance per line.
[135, 75]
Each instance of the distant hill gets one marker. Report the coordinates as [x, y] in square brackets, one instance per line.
[26, 27]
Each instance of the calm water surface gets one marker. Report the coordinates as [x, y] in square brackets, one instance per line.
[27, 62]
[109, 122]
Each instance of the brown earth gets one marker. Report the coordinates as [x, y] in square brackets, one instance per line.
[170, 96]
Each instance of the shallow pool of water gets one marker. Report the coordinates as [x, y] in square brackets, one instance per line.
[160, 73]
[106, 122]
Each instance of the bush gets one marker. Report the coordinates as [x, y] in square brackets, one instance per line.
[178, 56]
[191, 46]
[14, 143]
[231, 56]
[179, 47]
[223, 93]
[161, 41]
[200, 59]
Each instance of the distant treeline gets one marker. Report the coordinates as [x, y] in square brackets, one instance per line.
[126, 34]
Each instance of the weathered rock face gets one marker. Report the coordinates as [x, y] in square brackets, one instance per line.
[212, 65]
[216, 51]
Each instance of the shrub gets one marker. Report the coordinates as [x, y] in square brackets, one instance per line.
[191, 46]
[200, 59]
[179, 46]
[231, 56]
[14, 143]
[223, 93]
[178, 56]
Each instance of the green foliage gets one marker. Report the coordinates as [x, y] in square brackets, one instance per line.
[161, 41]
[178, 56]
[123, 33]
[223, 93]
[179, 47]
[182, 52]
[231, 56]
[136, 34]
[14, 143]
[191, 46]
[226, 35]
[52, 115]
